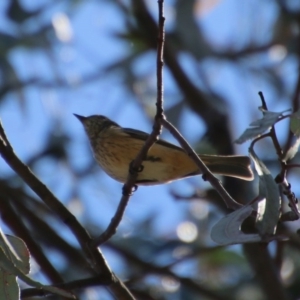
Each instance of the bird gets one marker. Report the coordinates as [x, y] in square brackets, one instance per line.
[115, 147]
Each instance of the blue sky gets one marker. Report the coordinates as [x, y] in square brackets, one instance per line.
[93, 45]
[37, 111]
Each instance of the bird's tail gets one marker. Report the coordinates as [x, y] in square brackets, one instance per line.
[233, 166]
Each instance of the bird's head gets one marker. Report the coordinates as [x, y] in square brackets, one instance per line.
[95, 124]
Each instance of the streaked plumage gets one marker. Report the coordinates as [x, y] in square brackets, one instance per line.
[115, 147]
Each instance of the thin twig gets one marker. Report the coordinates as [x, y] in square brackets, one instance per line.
[160, 62]
[281, 177]
[72, 285]
[95, 256]
[129, 187]
[3, 137]
[286, 189]
[258, 139]
[151, 268]
[272, 130]
[49, 236]
[44, 193]
[207, 175]
[16, 224]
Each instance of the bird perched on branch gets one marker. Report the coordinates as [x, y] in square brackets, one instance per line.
[115, 147]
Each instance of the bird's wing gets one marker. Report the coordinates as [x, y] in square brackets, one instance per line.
[141, 135]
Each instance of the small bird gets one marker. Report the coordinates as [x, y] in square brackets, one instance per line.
[115, 147]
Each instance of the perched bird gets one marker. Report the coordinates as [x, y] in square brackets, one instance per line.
[116, 147]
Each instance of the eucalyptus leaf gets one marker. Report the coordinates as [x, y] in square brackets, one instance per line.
[258, 127]
[9, 288]
[228, 230]
[268, 208]
[10, 262]
[292, 151]
[295, 123]
[23, 263]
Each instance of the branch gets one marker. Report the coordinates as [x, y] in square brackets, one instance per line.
[281, 177]
[134, 169]
[215, 119]
[11, 218]
[75, 284]
[207, 175]
[95, 256]
[150, 268]
[265, 270]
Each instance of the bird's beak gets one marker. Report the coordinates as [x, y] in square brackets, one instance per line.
[80, 118]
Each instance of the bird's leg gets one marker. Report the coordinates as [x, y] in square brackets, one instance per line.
[126, 192]
[135, 170]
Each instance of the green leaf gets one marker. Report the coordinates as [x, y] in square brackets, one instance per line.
[269, 207]
[9, 288]
[292, 151]
[258, 127]
[295, 123]
[23, 261]
[13, 260]
[8, 281]
[228, 230]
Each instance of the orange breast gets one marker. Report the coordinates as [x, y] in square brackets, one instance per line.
[163, 164]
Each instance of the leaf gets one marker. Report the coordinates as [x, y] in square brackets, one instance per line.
[8, 281]
[8, 249]
[23, 263]
[13, 260]
[295, 123]
[269, 207]
[228, 230]
[292, 151]
[9, 288]
[258, 127]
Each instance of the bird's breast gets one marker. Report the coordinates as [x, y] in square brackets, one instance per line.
[114, 155]
[162, 164]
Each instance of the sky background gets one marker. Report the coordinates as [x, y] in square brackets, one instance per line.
[80, 53]
[37, 111]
